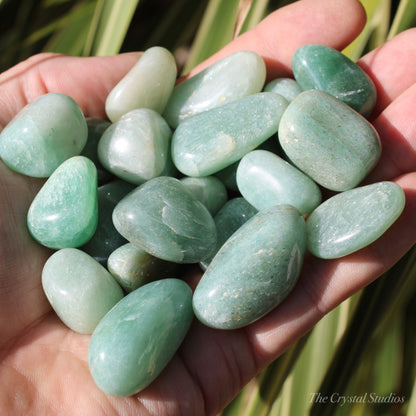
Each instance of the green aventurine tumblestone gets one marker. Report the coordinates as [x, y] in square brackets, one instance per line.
[135, 340]
[64, 212]
[264, 179]
[353, 219]
[210, 141]
[287, 87]
[79, 289]
[166, 220]
[328, 141]
[323, 68]
[43, 134]
[253, 271]
[235, 76]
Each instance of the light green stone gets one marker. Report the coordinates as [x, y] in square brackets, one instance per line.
[264, 179]
[254, 270]
[208, 142]
[64, 212]
[328, 140]
[287, 87]
[43, 134]
[209, 190]
[163, 218]
[235, 76]
[79, 289]
[135, 341]
[136, 147]
[133, 267]
[148, 84]
[353, 219]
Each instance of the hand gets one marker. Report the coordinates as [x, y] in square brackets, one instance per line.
[44, 366]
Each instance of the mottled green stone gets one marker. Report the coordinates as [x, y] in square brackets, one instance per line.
[235, 76]
[133, 267]
[148, 84]
[135, 341]
[209, 190]
[265, 179]
[163, 218]
[287, 87]
[253, 271]
[353, 219]
[210, 141]
[328, 140]
[326, 69]
[43, 134]
[79, 289]
[136, 147]
[64, 212]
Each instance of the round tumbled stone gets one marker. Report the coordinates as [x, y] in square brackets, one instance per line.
[287, 87]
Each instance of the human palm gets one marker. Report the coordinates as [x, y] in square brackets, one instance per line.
[44, 366]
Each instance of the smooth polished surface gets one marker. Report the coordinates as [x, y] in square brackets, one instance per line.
[328, 141]
[166, 220]
[254, 270]
[64, 213]
[136, 340]
[79, 289]
[287, 87]
[45, 133]
[353, 219]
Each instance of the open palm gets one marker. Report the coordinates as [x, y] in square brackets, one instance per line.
[43, 365]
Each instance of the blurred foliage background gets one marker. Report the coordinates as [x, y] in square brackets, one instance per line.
[363, 351]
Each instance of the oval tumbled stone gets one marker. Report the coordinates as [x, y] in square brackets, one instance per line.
[210, 141]
[253, 271]
[326, 69]
[166, 220]
[328, 140]
[353, 219]
[45, 133]
[135, 341]
[287, 87]
[64, 213]
[79, 289]
[235, 76]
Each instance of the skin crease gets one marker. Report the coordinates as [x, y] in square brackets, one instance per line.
[44, 365]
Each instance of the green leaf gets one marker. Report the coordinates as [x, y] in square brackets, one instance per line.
[405, 17]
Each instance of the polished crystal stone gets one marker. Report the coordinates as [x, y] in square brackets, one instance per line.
[210, 141]
[163, 218]
[136, 147]
[106, 238]
[135, 341]
[328, 140]
[148, 84]
[287, 87]
[79, 289]
[209, 190]
[253, 271]
[43, 134]
[323, 68]
[353, 219]
[64, 212]
[235, 76]
[133, 267]
[264, 179]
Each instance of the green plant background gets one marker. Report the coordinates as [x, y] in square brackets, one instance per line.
[365, 346]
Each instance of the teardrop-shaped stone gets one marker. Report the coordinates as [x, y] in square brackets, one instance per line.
[287, 87]
[264, 179]
[328, 140]
[166, 220]
[326, 69]
[64, 212]
[212, 140]
[235, 76]
[43, 134]
[253, 271]
[148, 84]
[353, 219]
[135, 341]
[79, 289]
[133, 267]
[136, 147]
